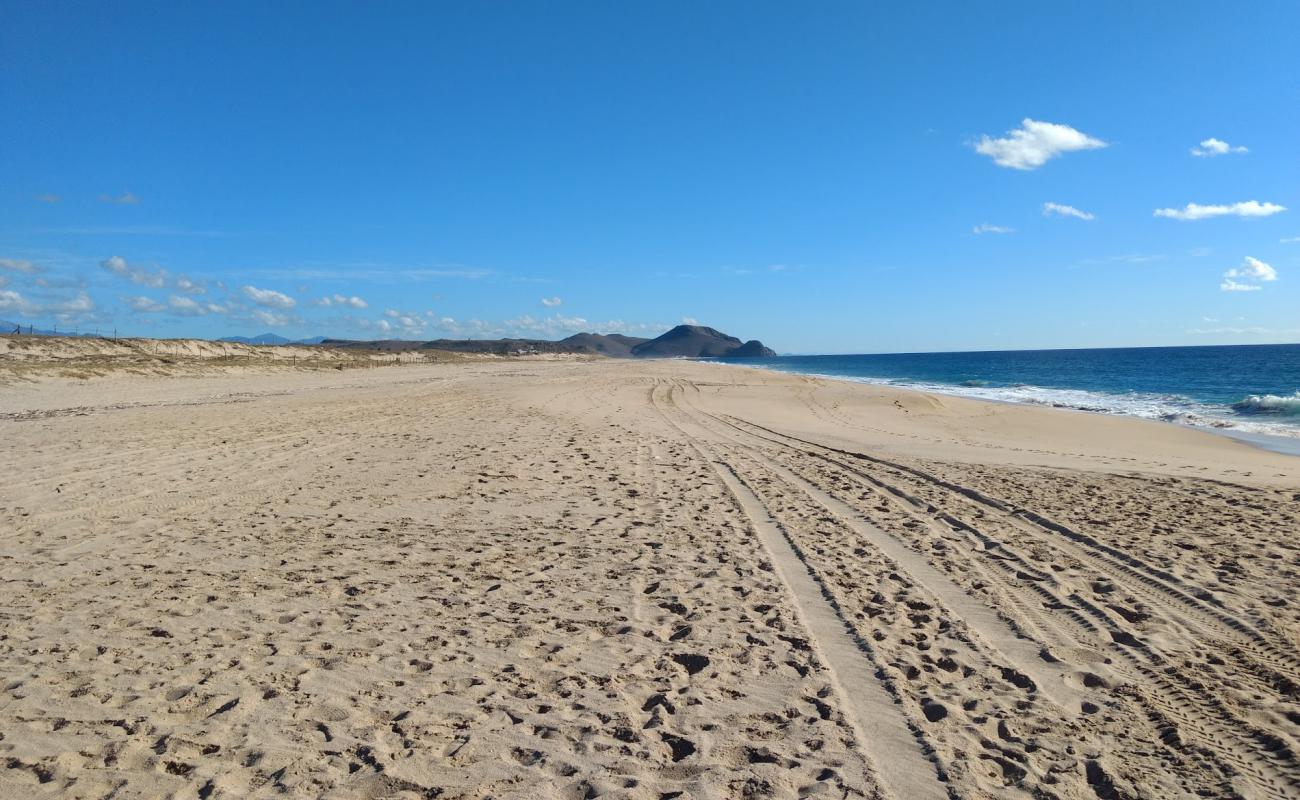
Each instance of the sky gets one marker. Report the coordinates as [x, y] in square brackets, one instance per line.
[832, 177]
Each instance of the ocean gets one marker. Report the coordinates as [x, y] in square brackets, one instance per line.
[1252, 391]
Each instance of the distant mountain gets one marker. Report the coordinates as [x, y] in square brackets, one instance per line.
[270, 338]
[699, 341]
[265, 338]
[684, 341]
[615, 345]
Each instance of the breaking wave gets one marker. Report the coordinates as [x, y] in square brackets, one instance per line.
[1242, 417]
[1269, 404]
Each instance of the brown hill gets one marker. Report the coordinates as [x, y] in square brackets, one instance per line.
[699, 341]
[615, 345]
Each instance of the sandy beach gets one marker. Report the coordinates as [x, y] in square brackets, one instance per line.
[497, 578]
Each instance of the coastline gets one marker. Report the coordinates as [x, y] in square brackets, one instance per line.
[1273, 442]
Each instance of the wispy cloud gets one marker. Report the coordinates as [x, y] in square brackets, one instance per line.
[70, 309]
[1216, 147]
[143, 276]
[551, 302]
[271, 318]
[131, 230]
[186, 306]
[1244, 331]
[987, 228]
[19, 265]
[1195, 211]
[1289, 240]
[189, 286]
[48, 198]
[1034, 143]
[1248, 276]
[144, 305]
[269, 298]
[559, 325]
[770, 268]
[377, 273]
[124, 199]
[1124, 258]
[1065, 211]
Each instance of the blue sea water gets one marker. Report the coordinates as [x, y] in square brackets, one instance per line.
[1253, 390]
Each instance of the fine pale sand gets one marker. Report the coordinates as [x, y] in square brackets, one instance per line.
[577, 579]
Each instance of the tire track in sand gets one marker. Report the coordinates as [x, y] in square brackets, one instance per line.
[1257, 755]
[884, 734]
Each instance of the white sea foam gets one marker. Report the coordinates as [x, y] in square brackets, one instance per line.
[1269, 404]
[1165, 408]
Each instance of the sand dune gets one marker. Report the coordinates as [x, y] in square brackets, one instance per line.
[644, 580]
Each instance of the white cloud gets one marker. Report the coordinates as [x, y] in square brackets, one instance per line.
[270, 317]
[1065, 211]
[551, 302]
[1195, 211]
[18, 265]
[529, 327]
[144, 305]
[184, 284]
[1248, 276]
[1253, 269]
[79, 304]
[269, 298]
[141, 276]
[690, 321]
[77, 308]
[341, 301]
[1216, 147]
[124, 199]
[186, 306]
[404, 324]
[987, 228]
[116, 265]
[1034, 143]
[1289, 240]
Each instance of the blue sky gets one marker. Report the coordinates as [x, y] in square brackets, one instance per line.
[829, 177]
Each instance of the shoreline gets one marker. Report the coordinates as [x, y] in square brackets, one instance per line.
[1283, 445]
